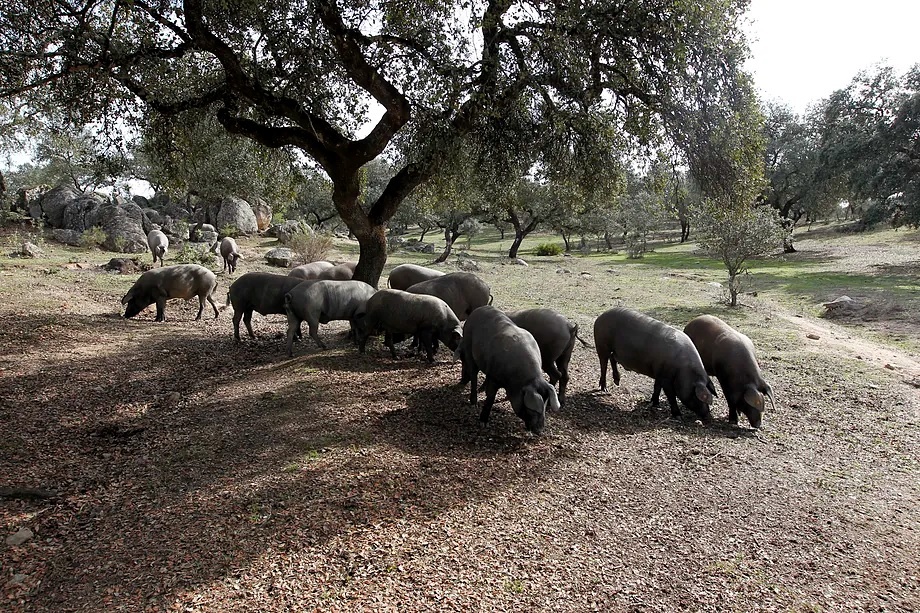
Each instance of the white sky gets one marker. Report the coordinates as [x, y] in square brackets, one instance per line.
[803, 50]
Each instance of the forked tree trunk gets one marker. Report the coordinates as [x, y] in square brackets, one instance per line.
[565, 239]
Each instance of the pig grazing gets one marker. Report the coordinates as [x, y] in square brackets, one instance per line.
[168, 282]
[462, 291]
[405, 276]
[398, 313]
[311, 270]
[230, 254]
[729, 355]
[341, 272]
[555, 335]
[510, 358]
[657, 350]
[323, 301]
[261, 292]
[158, 244]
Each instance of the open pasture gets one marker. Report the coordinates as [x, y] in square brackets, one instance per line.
[192, 473]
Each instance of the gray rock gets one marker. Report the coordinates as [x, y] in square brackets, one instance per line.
[153, 215]
[30, 250]
[229, 211]
[67, 237]
[123, 266]
[141, 201]
[52, 205]
[175, 228]
[468, 265]
[279, 256]
[18, 580]
[82, 213]
[263, 213]
[124, 227]
[420, 247]
[19, 537]
[289, 228]
[27, 198]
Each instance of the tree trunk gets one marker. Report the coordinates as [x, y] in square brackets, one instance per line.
[450, 236]
[373, 254]
[608, 239]
[565, 239]
[516, 244]
[501, 233]
[684, 230]
[421, 238]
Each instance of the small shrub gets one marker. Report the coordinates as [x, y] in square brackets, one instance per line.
[548, 249]
[191, 254]
[92, 237]
[229, 230]
[310, 246]
[120, 244]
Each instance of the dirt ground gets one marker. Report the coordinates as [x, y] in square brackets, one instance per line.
[180, 471]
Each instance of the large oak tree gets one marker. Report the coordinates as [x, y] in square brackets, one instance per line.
[513, 77]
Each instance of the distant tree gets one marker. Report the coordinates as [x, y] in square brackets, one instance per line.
[869, 143]
[559, 80]
[313, 199]
[193, 153]
[737, 234]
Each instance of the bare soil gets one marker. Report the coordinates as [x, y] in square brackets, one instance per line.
[186, 472]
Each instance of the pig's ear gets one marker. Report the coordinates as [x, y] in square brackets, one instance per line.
[754, 398]
[127, 297]
[711, 387]
[703, 394]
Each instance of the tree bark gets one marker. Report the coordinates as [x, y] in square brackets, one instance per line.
[450, 236]
[421, 238]
[565, 239]
[516, 244]
[373, 250]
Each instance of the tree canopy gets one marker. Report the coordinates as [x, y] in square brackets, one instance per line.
[565, 84]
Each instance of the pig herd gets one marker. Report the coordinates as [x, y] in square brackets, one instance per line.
[512, 350]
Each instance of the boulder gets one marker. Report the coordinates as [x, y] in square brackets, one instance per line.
[82, 213]
[123, 266]
[263, 213]
[421, 247]
[153, 215]
[29, 250]
[31, 197]
[175, 228]
[123, 225]
[279, 256]
[52, 205]
[231, 211]
[67, 237]
[289, 228]
[141, 201]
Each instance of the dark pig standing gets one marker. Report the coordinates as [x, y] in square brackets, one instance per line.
[556, 336]
[167, 283]
[462, 291]
[510, 358]
[397, 313]
[340, 272]
[261, 292]
[311, 270]
[729, 355]
[654, 349]
[323, 301]
[405, 276]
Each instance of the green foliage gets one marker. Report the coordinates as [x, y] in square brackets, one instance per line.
[311, 246]
[869, 142]
[92, 237]
[192, 152]
[229, 230]
[735, 235]
[192, 253]
[548, 249]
